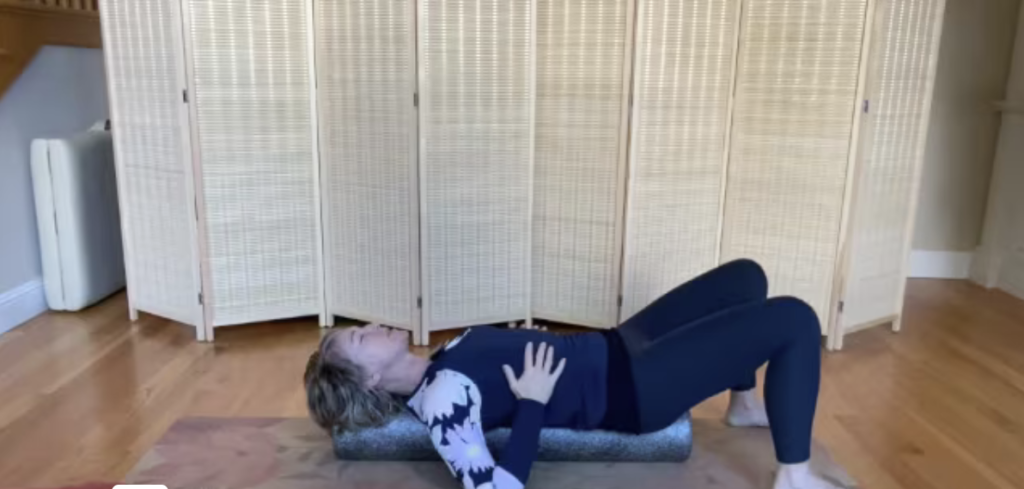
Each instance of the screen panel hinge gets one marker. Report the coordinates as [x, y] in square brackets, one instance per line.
[416, 99]
[200, 297]
[184, 96]
[419, 302]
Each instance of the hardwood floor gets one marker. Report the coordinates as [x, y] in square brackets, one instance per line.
[940, 405]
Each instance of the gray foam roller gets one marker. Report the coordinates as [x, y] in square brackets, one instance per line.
[407, 439]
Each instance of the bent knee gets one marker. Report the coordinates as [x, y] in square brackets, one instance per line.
[796, 317]
[750, 273]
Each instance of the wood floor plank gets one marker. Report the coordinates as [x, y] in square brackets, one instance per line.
[83, 396]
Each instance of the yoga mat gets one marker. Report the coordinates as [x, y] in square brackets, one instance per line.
[245, 453]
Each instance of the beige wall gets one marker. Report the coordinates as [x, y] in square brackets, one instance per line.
[1000, 259]
[974, 60]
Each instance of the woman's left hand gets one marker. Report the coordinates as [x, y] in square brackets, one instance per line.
[538, 380]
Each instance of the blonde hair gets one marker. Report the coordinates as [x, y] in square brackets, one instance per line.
[338, 398]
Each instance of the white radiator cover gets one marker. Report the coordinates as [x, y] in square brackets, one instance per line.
[79, 226]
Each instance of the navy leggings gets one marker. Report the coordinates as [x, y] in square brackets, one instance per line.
[712, 334]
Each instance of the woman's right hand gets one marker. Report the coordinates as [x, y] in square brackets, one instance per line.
[538, 380]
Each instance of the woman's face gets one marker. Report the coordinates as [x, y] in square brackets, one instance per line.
[372, 347]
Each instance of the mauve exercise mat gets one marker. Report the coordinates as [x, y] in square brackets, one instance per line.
[407, 439]
[241, 453]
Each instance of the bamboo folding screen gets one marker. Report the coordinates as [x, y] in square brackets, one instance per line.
[583, 48]
[366, 65]
[682, 90]
[253, 129]
[796, 92]
[433, 164]
[901, 79]
[476, 78]
[145, 76]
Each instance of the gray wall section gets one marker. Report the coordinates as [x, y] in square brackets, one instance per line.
[61, 93]
[1000, 260]
[974, 63]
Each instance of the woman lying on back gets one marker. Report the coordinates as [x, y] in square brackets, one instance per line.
[705, 337]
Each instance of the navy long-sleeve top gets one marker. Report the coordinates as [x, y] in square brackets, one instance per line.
[465, 393]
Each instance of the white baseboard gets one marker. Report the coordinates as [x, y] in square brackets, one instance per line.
[940, 264]
[1011, 274]
[20, 304]
[1014, 290]
[983, 270]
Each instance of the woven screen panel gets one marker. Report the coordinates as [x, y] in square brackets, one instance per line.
[367, 76]
[795, 99]
[253, 103]
[476, 84]
[580, 60]
[902, 69]
[684, 69]
[141, 48]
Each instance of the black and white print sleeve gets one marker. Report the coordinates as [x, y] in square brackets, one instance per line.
[449, 404]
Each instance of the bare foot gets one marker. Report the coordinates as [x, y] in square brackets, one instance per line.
[800, 476]
[746, 410]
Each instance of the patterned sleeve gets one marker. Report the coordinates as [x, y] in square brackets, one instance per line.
[450, 407]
